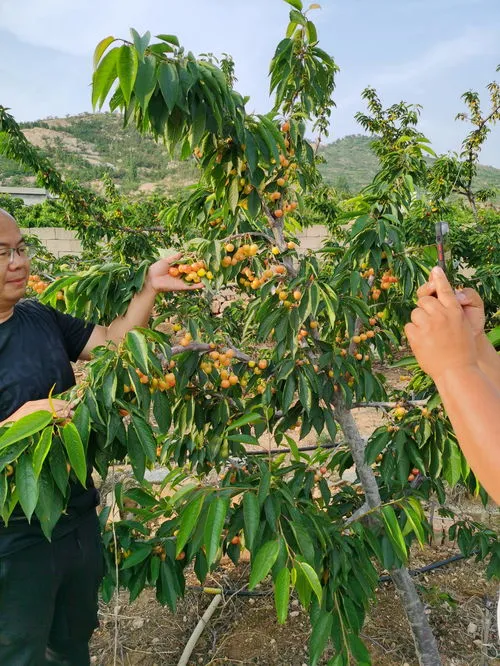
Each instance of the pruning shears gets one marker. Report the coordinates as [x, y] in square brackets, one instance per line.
[443, 248]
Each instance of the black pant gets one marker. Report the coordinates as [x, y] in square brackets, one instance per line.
[48, 599]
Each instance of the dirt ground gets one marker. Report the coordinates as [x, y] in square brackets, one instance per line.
[460, 602]
[243, 630]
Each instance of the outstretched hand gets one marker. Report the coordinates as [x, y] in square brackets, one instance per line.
[160, 279]
[440, 333]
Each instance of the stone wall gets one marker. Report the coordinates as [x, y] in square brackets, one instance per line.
[63, 241]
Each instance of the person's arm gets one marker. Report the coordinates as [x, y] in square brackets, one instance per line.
[62, 408]
[472, 403]
[444, 344]
[488, 359]
[138, 312]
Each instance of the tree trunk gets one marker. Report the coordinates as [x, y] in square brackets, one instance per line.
[423, 638]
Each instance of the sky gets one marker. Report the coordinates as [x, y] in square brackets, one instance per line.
[426, 52]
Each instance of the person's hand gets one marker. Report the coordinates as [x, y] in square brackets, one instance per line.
[160, 279]
[62, 408]
[470, 301]
[440, 333]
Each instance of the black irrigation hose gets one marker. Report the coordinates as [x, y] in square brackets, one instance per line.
[430, 567]
[311, 447]
[229, 592]
[382, 579]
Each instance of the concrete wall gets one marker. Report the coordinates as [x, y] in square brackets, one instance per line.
[312, 238]
[63, 241]
[58, 241]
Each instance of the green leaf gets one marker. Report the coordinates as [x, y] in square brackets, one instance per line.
[253, 417]
[351, 614]
[359, 651]
[262, 563]
[264, 485]
[170, 39]
[294, 449]
[331, 426]
[136, 454]
[136, 343]
[188, 519]
[81, 420]
[166, 591]
[27, 485]
[254, 204]
[494, 336]
[312, 578]
[233, 195]
[376, 445]
[393, 532]
[137, 556]
[305, 393]
[145, 81]
[76, 453]
[25, 427]
[414, 523]
[304, 541]
[168, 80]
[162, 412]
[127, 66]
[50, 503]
[251, 517]
[199, 120]
[58, 465]
[213, 527]
[101, 47]
[145, 436]
[297, 17]
[104, 77]
[282, 594]
[246, 439]
[296, 3]
[452, 463]
[4, 489]
[288, 393]
[322, 628]
[312, 34]
[41, 449]
[140, 43]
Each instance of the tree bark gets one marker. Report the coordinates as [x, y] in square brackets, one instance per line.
[423, 638]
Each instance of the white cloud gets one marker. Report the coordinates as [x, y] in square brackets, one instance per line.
[75, 26]
[444, 55]
[420, 72]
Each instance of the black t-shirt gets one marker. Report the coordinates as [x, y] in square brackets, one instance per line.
[37, 345]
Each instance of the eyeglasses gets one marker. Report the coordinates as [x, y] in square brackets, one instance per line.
[7, 253]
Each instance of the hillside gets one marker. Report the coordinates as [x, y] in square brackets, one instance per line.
[86, 146]
[350, 164]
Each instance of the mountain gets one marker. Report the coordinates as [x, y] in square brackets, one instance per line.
[86, 146]
[350, 165]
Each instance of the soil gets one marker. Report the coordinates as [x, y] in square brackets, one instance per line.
[243, 630]
[460, 602]
[42, 137]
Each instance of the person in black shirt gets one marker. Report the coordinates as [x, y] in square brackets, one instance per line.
[48, 590]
